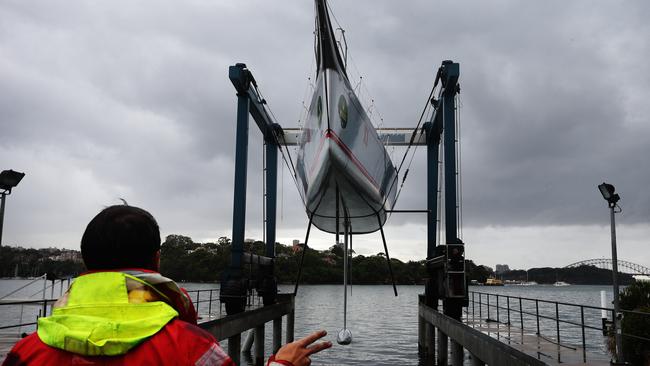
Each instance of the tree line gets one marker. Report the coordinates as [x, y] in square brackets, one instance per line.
[185, 260]
[30, 262]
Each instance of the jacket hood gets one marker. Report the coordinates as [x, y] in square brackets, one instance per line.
[106, 314]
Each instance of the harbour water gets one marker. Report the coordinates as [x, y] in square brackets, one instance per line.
[384, 327]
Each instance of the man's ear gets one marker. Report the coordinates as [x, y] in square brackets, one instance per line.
[156, 261]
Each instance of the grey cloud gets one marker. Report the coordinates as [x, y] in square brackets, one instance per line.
[134, 100]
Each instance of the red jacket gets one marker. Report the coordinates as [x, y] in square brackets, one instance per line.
[178, 343]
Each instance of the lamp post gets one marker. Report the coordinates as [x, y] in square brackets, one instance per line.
[8, 180]
[609, 194]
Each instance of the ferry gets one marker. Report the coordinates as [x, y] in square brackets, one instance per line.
[493, 282]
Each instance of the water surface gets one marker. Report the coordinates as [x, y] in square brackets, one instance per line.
[384, 327]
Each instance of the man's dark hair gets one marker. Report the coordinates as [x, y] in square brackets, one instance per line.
[120, 236]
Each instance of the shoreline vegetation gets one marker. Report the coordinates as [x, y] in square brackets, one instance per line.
[187, 261]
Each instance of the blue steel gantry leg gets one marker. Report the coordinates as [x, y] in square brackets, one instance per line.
[455, 284]
[233, 286]
[271, 193]
[433, 131]
[267, 286]
[449, 77]
[445, 263]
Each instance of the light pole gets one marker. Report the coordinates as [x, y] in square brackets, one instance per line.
[8, 180]
[609, 194]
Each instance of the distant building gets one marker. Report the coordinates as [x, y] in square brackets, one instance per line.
[502, 268]
[297, 246]
[67, 255]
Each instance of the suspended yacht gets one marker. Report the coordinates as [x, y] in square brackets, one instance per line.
[340, 153]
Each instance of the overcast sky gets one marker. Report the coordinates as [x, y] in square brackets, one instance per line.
[122, 99]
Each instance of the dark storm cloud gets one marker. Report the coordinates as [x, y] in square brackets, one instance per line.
[548, 111]
[123, 99]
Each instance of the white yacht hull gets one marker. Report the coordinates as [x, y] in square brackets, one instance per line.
[340, 152]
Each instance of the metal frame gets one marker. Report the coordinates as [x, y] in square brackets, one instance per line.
[249, 102]
[447, 281]
[445, 264]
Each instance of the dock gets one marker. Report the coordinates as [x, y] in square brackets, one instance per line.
[491, 343]
[542, 348]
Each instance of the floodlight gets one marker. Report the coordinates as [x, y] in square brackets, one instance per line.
[9, 179]
[608, 192]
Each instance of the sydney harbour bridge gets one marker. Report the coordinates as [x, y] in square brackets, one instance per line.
[623, 266]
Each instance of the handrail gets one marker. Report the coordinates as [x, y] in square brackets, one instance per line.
[197, 302]
[479, 345]
[556, 317]
[25, 302]
[231, 327]
[18, 325]
[22, 287]
[541, 300]
[43, 303]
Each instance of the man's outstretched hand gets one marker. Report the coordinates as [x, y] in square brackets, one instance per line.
[298, 352]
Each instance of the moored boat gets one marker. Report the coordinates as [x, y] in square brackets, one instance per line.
[528, 283]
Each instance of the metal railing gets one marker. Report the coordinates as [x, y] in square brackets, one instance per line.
[231, 327]
[549, 316]
[42, 306]
[210, 296]
[205, 296]
[206, 303]
[436, 331]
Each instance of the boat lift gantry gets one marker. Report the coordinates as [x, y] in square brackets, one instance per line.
[234, 286]
[445, 263]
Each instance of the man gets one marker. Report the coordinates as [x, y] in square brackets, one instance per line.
[123, 312]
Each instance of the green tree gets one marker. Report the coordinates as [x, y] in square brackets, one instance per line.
[174, 261]
[636, 297]
[477, 272]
